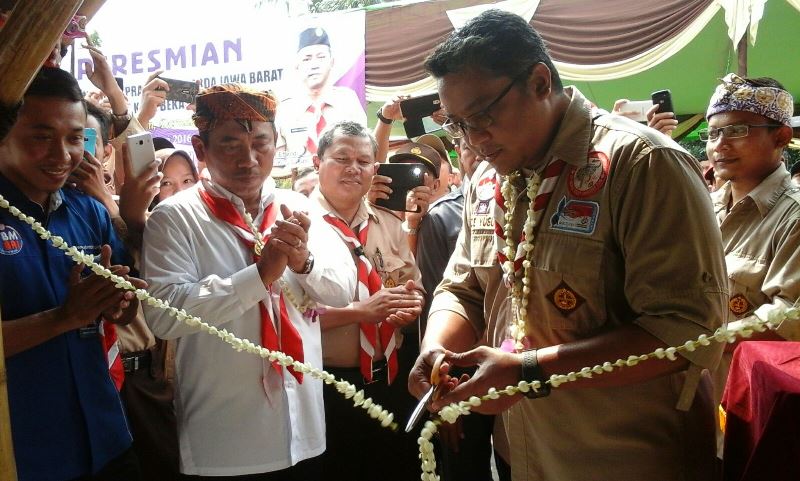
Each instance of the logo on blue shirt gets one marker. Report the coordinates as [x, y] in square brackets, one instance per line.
[10, 240]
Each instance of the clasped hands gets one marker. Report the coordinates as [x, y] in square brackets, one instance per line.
[287, 246]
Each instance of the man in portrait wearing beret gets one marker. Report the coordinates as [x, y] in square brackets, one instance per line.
[320, 104]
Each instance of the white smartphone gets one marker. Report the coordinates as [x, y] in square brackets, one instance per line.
[140, 151]
[638, 108]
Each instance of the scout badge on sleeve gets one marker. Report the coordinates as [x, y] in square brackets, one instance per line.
[586, 180]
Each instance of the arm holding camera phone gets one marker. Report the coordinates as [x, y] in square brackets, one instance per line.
[390, 111]
[664, 122]
[154, 94]
[99, 73]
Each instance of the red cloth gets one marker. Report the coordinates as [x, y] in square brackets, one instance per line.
[762, 400]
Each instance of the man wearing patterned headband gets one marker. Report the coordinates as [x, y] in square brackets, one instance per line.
[304, 117]
[239, 253]
[758, 208]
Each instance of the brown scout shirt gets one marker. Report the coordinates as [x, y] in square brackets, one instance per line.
[629, 236]
[761, 239]
[387, 249]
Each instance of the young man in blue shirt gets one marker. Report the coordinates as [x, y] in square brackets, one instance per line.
[67, 420]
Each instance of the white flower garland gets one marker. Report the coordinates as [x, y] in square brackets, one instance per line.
[451, 412]
[520, 288]
[349, 391]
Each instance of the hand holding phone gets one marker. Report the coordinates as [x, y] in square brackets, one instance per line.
[90, 140]
[181, 90]
[140, 152]
[663, 98]
[417, 112]
[404, 178]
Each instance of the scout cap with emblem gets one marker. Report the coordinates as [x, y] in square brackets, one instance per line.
[313, 36]
[435, 142]
[415, 152]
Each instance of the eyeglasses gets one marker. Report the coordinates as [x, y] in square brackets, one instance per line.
[479, 120]
[730, 131]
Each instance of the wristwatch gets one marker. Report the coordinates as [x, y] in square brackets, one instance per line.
[383, 119]
[532, 371]
[306, 267]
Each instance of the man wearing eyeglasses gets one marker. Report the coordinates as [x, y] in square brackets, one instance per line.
[615, 253]
[758, 208]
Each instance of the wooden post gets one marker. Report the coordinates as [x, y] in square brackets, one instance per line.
[28, 36]
[31, 32]
[741, 50]
[8, 470]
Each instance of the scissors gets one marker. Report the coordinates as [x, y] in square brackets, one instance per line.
[425, 400]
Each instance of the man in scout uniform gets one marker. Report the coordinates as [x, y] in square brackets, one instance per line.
[241, 254]
[362, 342]
[584, 269]
[758, 208]
[303, 118]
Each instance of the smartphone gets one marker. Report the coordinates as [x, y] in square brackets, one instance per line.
[663, 98]
[140, 151]
[417, 112]
[181, 90]
[404, 178]
[120, 82]
[90, 140]
[637, 108]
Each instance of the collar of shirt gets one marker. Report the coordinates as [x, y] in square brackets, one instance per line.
[21, 201]
[364, 209]
[764, 196]
[571, 143]
[267, 194]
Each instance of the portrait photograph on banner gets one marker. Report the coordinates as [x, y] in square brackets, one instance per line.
[315, 65]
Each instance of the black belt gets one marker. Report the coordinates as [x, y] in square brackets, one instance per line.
[134, 361]
[353, 374]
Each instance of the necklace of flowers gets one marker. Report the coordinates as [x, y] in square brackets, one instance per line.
[520, 284]
[452, 412]
[349, 391]
[304, 305]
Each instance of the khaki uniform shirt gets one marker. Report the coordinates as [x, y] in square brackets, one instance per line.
[387, 249]
[761, 236]
[295, 122]
[628, 237]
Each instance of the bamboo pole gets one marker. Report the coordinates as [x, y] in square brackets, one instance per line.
[8, 470]
[28, 36]
[31, 32]
[741, 67]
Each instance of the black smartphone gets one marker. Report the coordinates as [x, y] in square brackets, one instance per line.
[663, 98]
[181, 90]
[404, 178]
[120, 82]
[417, 112]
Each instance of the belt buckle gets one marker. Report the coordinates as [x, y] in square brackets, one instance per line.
[375, 372]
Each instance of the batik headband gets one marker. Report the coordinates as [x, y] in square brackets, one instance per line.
[735, 94]
[232, 102]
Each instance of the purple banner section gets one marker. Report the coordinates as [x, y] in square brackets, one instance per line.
[181, 138]
[355, 80]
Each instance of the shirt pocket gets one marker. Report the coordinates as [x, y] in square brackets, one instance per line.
[391, 271]
[745, 278]
[568, 284]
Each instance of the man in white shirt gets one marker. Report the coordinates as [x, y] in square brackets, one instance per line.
[237, 252]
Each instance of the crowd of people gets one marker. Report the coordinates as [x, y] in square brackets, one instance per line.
[551, 247]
